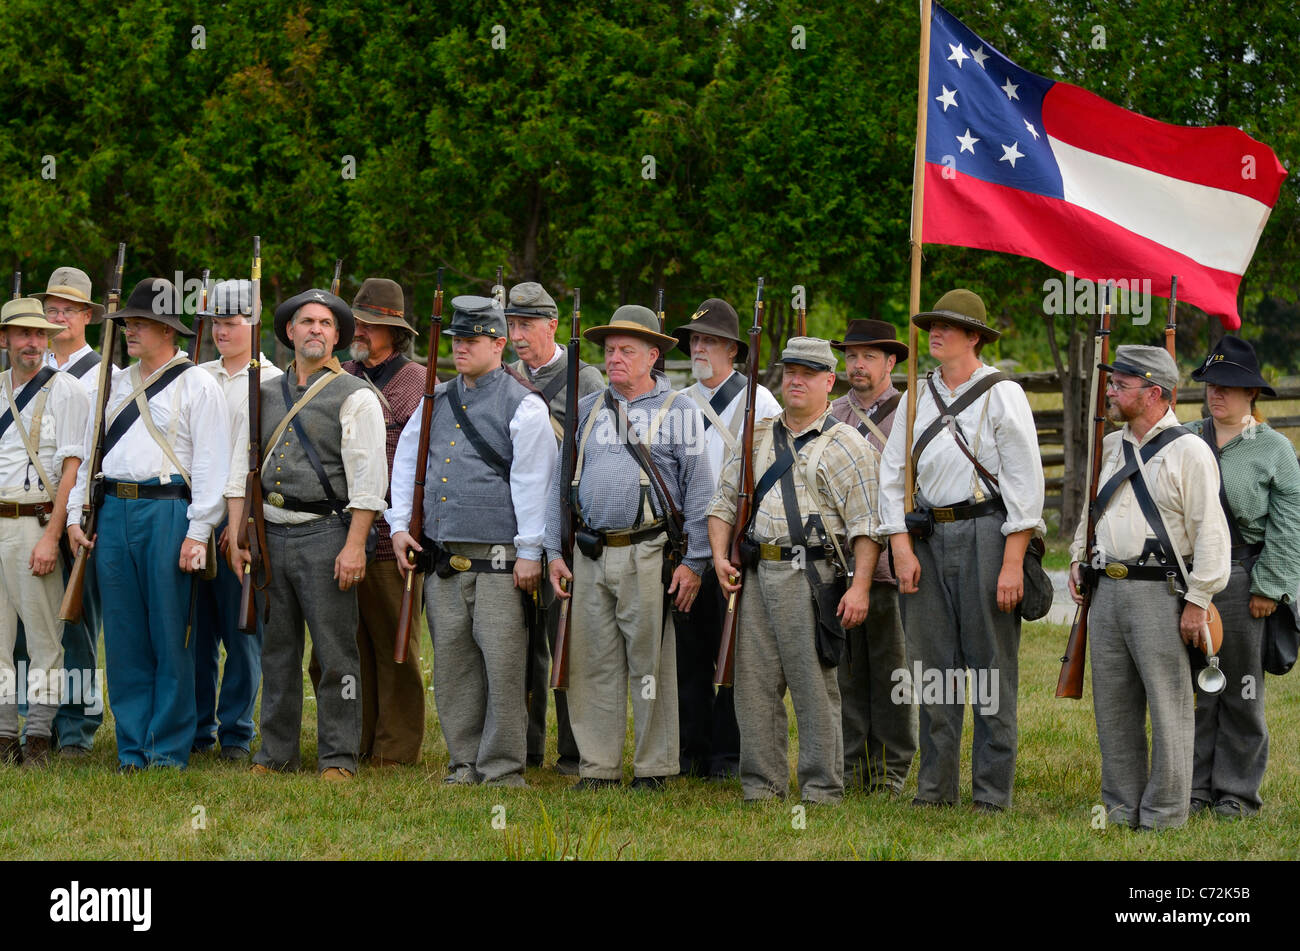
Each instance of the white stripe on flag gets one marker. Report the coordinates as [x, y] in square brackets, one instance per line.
[1213, 227]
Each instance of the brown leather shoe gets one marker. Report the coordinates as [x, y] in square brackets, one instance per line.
[11, 751]
[37, 752]
[257, 769]
[337, 774]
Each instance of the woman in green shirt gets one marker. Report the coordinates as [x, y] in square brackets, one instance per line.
[1261, 498]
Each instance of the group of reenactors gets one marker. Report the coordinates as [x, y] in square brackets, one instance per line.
[848, 588]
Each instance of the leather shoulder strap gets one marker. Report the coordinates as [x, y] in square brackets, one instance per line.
[981, 386]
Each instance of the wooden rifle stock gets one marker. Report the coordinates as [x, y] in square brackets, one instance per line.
[70, 609]
[251, 533]
[568, 465]
[725, 665]
[338, 277]
[1069, 683]
[406, 613]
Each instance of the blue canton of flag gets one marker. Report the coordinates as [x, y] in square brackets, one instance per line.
[985, 115]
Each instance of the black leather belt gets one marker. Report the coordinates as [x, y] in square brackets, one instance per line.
[447, 563]
[1124, 571]
[19, 509]
[959, 513]
[1246, 552]
[632, 537]
[291, 504]
[134, 490]
[768, 552]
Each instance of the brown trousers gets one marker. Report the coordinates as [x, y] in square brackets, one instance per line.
[392, 695]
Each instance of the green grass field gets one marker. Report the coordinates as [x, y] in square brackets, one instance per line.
[215, 811]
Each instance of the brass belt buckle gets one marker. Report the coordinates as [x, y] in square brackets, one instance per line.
[8, 509]
[460, 562]
[276, 499]
[128, 490]
[769, 552]
[943, 515]
[1116, 570]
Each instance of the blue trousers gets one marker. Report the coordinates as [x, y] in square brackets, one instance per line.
[150, 667]
[75, 723]
[229, 718]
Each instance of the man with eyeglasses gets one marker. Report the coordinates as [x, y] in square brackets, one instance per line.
[1139, 595]
[67, 302]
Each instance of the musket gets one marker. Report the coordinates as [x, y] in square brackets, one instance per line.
[725, 666]
[1171, 330]
[338, 276]
[659, 309]
[499, 289]
[199, 319]
[1069, 684]
[251, 534]
[406, 613]
[801, 318]
[70, 609]
[18, 284]
[568, 465]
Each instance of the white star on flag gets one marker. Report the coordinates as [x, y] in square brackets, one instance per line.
[979, 56]
[1032, 131]
[1010, 89]
[1010, 153]
[967, 143]
[948, 97]
[958, 54]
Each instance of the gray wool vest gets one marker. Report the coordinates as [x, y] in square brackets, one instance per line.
[289, 472]
[465, 499]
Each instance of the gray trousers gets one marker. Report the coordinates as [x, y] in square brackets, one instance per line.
[776, 648]
[953, 623]
[620, 640]
[476, 620]
[1139, 661]
[1231, 748]
[879, 734]
[303, 589]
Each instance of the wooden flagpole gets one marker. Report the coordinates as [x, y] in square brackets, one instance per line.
[918, 205]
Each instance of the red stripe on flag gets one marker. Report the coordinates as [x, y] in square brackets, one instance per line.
[1214, 156]
[970, 213]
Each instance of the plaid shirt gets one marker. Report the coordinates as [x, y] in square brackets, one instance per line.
[846, 485]
[403, 393]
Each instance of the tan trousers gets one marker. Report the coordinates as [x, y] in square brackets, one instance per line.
[619, 643]
[36, 601]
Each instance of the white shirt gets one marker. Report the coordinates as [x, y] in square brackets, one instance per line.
[531, 467]
[235, 389]
[1000, 431]
[89, 379]
[191, 414]
[1184, 482]
[714, 445]
[362, 444]
[62, 435]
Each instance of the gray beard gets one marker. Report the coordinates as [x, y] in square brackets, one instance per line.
[702, 370]
[359, 352]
